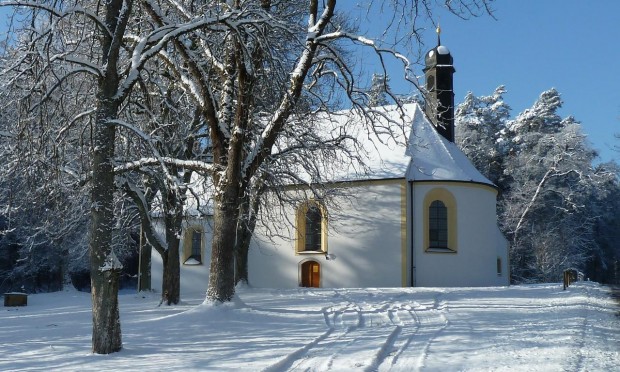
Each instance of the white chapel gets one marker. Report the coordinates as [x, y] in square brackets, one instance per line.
[423, 216]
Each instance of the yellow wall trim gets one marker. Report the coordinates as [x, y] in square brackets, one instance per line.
[300, 242]
[187, 242]
[449, 201]
[456, 183]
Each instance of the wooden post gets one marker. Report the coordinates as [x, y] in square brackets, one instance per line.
[144, 264]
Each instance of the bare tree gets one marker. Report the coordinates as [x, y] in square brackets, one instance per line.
[260, 88]
[60, 40]
[479, 125]
[553, 204]
[58, 43]
[233, 56]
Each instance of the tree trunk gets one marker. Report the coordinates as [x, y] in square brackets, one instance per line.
[106, 337]
[241, 256]
[104, 270]
[248, 213]
[229, 153]
[104, 266]
[171, 284]
[222, 277]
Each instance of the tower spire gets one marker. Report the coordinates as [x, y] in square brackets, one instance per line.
[439, 104]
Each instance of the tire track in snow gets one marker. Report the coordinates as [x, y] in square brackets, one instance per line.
[579, 364]
[392, 326]
[385, 350]
[410, 320]
[355, 324]
[401, 332]
[407, 326]
[414, 343]
[319, 354]
[290, 359]
[348, 324]
[437, 324]
[400, 346]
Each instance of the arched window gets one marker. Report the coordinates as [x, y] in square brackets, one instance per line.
[192, 246]
[438, 225]
[196, 245]
[311, 228]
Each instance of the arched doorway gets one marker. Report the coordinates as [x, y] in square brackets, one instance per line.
[311, 274]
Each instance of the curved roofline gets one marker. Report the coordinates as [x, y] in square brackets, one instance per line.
[490, 185]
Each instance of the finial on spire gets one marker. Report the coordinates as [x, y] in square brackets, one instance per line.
[438, 30]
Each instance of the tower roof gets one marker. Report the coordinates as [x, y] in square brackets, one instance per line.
[439, 56]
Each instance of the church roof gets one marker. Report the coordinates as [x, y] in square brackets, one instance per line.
[388, 152]
[434, 158]
[381, 148]
[420, 155]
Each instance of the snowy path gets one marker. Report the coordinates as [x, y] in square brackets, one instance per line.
[523, 328]
[386, 328]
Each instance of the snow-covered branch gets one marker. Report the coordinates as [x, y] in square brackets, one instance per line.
[59, 14]
[195, 165]
[144, 209]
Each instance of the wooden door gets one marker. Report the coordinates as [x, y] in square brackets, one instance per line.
[311, 274]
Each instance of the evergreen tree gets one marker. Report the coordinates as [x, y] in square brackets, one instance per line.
[479, 123]
[378, 92]
[551, 182]
[554, 206]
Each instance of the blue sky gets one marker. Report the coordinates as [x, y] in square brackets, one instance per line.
[532, 46]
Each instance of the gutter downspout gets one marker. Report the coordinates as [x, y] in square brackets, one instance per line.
[411, 235]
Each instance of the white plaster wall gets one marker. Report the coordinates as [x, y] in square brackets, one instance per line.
[479, 240]
[365, 235]
[194, 278]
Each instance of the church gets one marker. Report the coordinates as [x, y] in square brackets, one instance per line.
[423, 216]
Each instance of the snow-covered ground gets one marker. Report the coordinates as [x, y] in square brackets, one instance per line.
[523, 328]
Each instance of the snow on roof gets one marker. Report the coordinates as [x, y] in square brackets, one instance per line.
[428, 156]
[386, 151]
[434, 158]
[443, 50]
[381, 148]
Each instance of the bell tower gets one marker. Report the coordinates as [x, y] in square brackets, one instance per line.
[439, 106]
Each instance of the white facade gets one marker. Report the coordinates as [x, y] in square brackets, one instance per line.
[480, 253]
[378, 234]
[365, 246]
[194, 277]
[477, 252]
